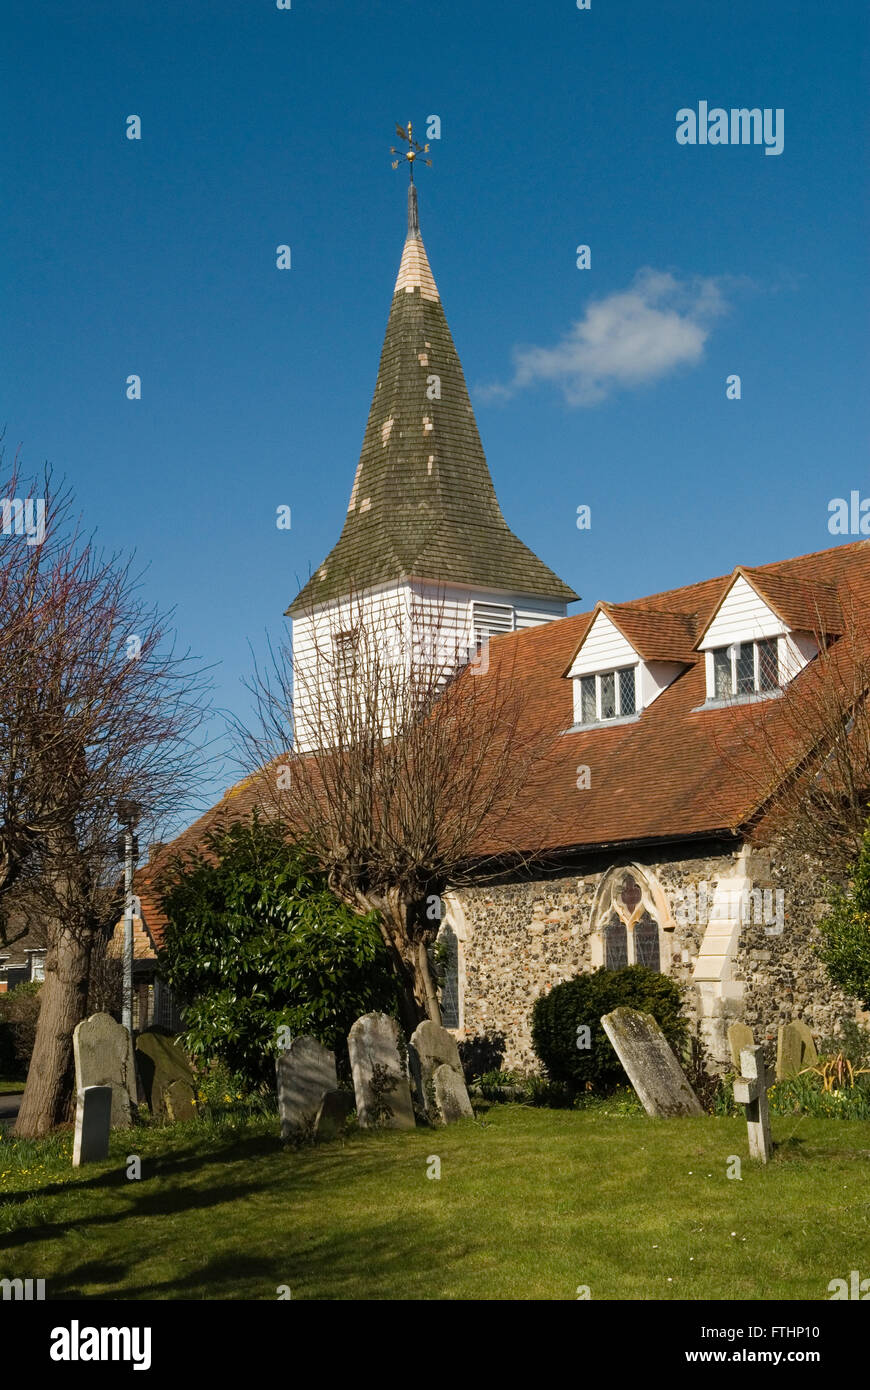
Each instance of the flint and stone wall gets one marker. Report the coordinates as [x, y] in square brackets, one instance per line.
[520, 937]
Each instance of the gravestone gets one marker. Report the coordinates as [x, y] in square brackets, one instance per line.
[739, 1036]
[103, 1054]
[161, 1061]
[180, 1100]
[380, 1081]
[795, 1049]
[305, 1072]
[433, 1049]
[451, 1095]
[750, 1090]
[650, 1065]
[332, 1115]
[93, 1123]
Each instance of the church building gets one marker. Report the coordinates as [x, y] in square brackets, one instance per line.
[646, 844]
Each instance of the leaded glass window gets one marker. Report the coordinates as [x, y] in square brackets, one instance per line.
[628, 923]
[588, 711]
[646, 943]
[745, 668]
[608, 696]
[768, 665]
[450, 980]
[615, 945]
[626, 691]
[722, 673]
[629, 893]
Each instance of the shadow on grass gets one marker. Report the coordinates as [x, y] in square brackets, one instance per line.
[304, 1170]
[161, 1165]
[343, 1265]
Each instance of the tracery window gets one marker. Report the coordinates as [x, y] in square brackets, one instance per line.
[628, 923]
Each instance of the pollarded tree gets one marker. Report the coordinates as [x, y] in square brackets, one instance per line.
[96, 706]
[255, 941]
[414, 751]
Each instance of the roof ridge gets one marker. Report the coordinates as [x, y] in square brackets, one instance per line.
[720, 578]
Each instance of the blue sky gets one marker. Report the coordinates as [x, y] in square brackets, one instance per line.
[603, 387]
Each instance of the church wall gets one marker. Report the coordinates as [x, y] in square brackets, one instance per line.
[523, 937]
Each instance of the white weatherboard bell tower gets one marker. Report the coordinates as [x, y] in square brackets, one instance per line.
[424, 543]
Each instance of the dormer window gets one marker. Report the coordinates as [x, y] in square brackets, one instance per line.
[745, 668]
[607, 695]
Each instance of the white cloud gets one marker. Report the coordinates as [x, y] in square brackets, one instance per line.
[627, 339]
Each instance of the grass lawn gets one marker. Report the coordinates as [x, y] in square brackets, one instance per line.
[9, 1087]
[531, 1203]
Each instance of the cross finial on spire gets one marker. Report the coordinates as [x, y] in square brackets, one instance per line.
[413, 151]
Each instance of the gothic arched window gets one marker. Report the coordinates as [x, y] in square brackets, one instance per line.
[627, 921]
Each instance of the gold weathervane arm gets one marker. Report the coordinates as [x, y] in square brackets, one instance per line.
[413, 152]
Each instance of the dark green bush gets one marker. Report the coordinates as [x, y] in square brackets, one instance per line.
[557, 1017]
[256, 942]
[19, 1012]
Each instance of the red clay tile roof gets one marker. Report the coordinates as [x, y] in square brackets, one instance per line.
[655, 634]
[667, 775]
[806, 605]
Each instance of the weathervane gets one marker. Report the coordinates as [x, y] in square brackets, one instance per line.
[413, 151]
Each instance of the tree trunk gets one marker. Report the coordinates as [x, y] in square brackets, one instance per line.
[49, 1092]
[418, 999]
[424, 981]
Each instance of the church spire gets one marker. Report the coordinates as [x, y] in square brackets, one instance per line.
[423, 505]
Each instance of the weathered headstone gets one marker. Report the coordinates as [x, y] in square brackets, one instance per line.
[305, 1072]
[739, 1036]
[650, 1065]
[795, 1049]
[451, 1095]
[161, 1061]
[93, 1123]
[103, 1054]
[180, 1100]
[332, 1115]
[750, 1090]
[380, 1081]
[432, 1049]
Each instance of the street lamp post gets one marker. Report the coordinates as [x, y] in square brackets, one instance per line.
[128, 815]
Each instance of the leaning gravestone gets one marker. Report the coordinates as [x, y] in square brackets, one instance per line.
[162, 1062]
[332, 1114]
[380, 1081]
[795, 1049]
[651, 1066]
[103, 1054]
[305, 1072]
[739, 1036]
[93, 1123]
[432, 1050]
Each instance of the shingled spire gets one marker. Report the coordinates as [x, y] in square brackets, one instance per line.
[423, 504]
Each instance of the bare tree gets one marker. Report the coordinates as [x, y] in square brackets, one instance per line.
[806, 754]
[409, 753]
[96, 706]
